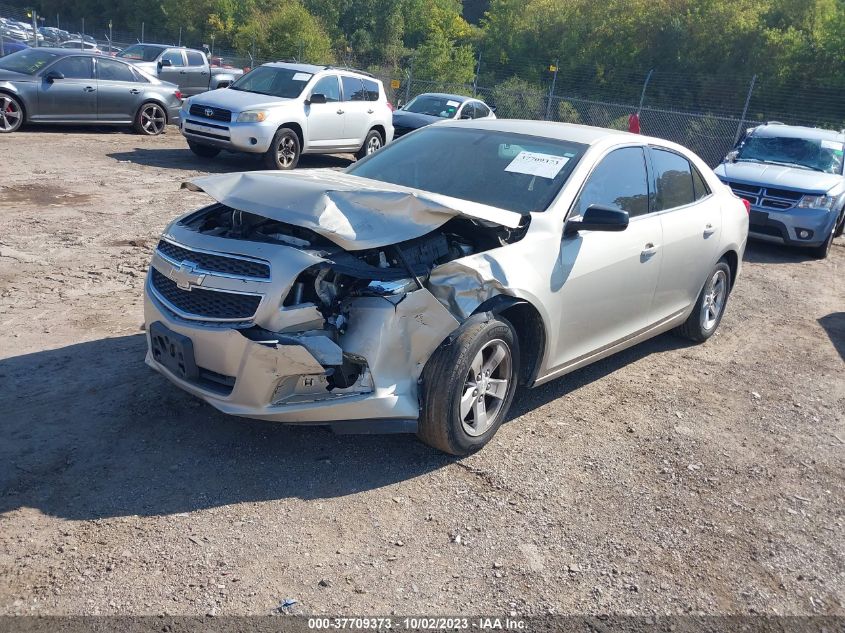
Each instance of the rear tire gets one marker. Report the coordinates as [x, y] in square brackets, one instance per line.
[710, 306]
[203, 151]
[284, 150]
[11, 113]
[151, 119]
[372, 143]
[467, 387]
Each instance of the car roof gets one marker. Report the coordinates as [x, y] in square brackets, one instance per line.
[584, 134]
[445, 95]
[66, 52]
[305, 68]
[769, 130]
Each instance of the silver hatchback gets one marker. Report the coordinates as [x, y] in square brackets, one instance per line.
[52, 85]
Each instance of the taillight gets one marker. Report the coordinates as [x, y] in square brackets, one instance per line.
[178, 95]
[747, 205]
[390, 105]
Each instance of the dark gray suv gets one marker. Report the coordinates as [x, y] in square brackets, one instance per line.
[793, 178]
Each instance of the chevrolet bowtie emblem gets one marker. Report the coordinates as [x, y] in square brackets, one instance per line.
[186, 276]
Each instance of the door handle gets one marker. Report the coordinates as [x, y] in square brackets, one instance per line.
[89, 89]
[370, 111]
[340, 111]
[709, 230]
[183, 72]
[649, 250]
[134, 91]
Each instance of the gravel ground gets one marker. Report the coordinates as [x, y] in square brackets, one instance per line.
[668, 479]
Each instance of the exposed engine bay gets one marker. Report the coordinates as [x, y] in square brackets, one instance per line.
[389, 272]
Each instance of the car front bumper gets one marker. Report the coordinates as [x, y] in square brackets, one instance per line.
[254, 138]
[786, 227]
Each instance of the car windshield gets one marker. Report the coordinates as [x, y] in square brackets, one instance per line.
[816, 154]
[28, 61]
[511, 171]
[140, 52]
[276, 82]
[443, 107]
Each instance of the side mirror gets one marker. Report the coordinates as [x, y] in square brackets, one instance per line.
[732, 156]
[316, 98]
[598, 218]
[164, 63]
[51, 75]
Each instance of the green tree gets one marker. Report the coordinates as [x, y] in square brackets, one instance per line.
[289, 30]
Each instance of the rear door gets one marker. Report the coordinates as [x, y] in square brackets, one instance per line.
[691, 218]
[357, 111]
[326, 120]
[176, 72]
[118, 93]
[196, 79]
[606, 281]
[73, 98]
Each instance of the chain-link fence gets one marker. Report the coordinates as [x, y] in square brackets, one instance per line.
[706, 114]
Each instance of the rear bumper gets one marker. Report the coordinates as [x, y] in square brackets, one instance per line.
[786, 228]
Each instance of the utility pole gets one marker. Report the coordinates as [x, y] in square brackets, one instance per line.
[35, 28]
[410, 80]
[82, 36]
[142, 32]
[110, 36]
[745, 109]
[477, 71]
[553, 68]
[180, 36]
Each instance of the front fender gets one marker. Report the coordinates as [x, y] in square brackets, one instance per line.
[221, 80]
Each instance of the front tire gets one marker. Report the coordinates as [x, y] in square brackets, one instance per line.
[823, 250]
[151, 119]
[373, 143]
[467, 388]
[710, 306]
[203, 151]
[11, 114]
[284, 150]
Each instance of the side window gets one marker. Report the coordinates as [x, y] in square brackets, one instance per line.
[195, 58]
[673, 178]
[481, 110]
[328, 86]
[175, 58]
[701, 188]
[139, 78]
[619, 182]
[110, 70]
[80, 67]
[353, 89]
[467, 111]
[371, 89]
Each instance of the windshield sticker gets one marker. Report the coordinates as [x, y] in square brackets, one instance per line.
[837, 147]
[536, 164]
[301, 77]
[454, 104]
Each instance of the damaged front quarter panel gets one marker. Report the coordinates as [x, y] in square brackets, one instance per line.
[463, 285]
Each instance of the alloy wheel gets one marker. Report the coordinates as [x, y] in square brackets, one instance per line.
[10, 114]
[486, 387]
[153, 119]
[715, 297]
[374, 144]
[286, 152]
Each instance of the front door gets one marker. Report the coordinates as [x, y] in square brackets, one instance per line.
[175, 73]
[691, 219]
[326, 120]
[72, 98]
[605, 281]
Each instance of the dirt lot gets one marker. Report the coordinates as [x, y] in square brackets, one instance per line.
[669, 479]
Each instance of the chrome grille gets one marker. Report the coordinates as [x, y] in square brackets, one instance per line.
[204, 303]
[210, 112]
[766, 197]
[236, 266]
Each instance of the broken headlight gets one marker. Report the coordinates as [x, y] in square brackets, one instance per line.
[392, 287]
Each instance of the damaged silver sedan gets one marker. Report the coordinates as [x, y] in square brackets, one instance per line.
[417, 289]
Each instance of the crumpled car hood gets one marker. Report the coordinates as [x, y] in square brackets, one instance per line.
[355, 213]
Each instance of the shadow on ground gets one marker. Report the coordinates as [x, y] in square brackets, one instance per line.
[223, 163]
[767, 253]
[90, 432]
[834, 325]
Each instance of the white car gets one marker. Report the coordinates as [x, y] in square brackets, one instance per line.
[417, 289]
[284, 110]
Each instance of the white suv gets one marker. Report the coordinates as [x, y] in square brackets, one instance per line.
[283, 110]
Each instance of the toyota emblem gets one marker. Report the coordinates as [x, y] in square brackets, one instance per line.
[209, 112]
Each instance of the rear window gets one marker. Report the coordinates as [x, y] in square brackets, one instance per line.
[673, 178]
[353, 89]
[195, 58]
